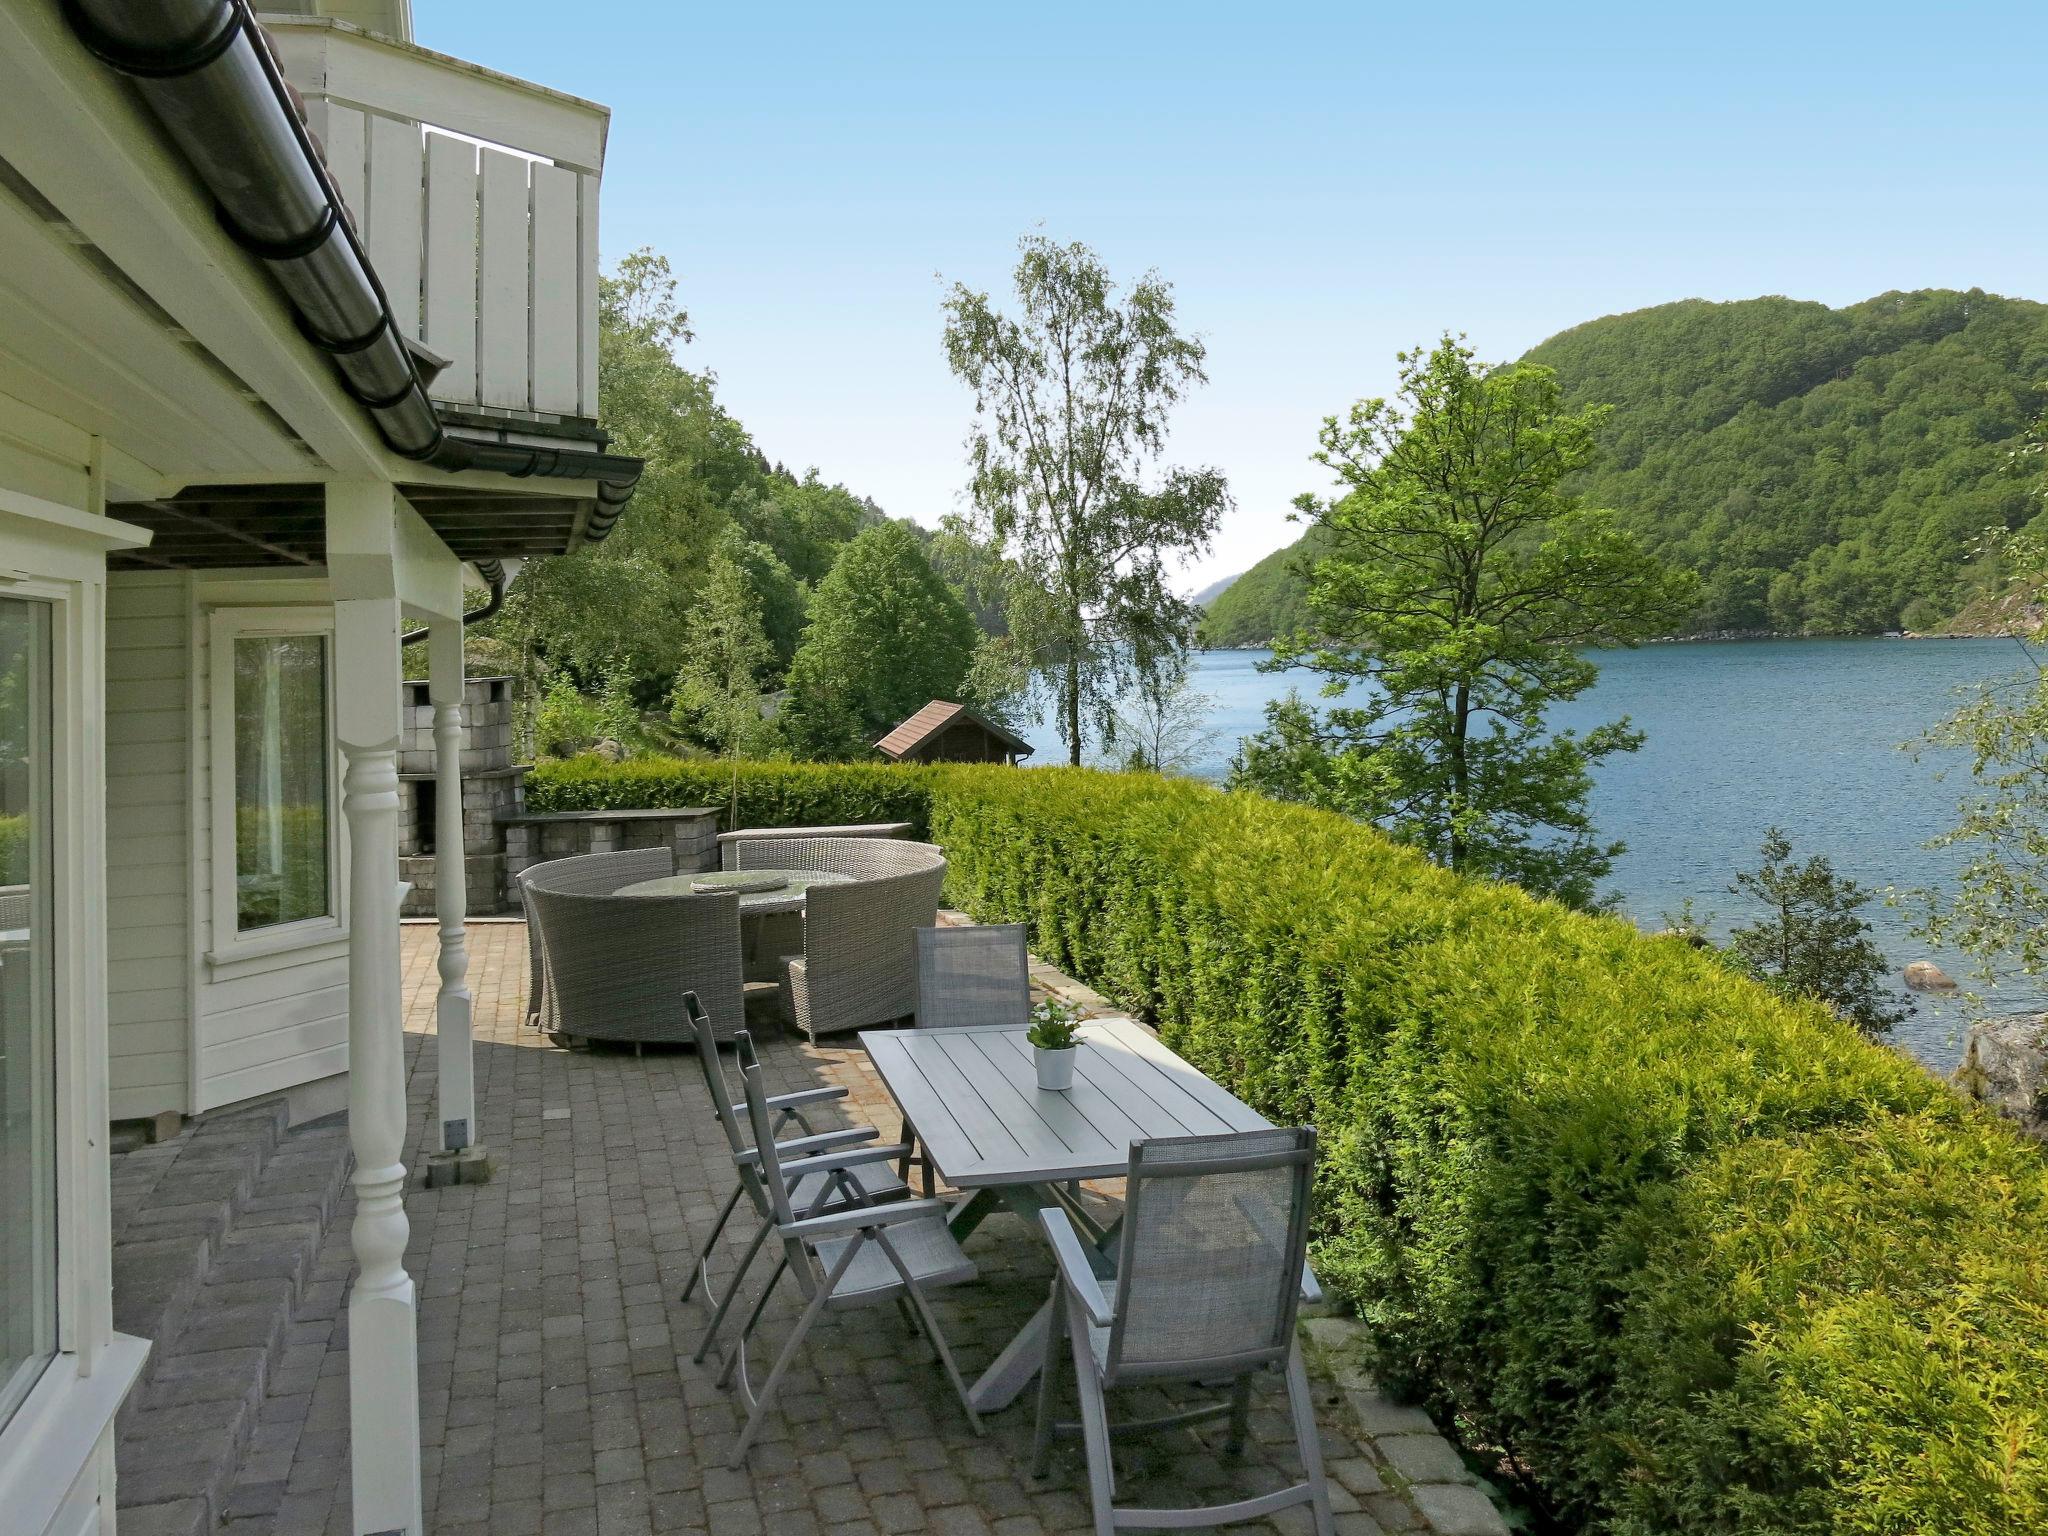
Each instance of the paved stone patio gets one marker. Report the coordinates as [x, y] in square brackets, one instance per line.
[557, 1391]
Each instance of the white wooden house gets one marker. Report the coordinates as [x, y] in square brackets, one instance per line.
[298, 341]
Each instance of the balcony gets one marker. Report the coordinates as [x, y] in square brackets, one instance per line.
[476, 195]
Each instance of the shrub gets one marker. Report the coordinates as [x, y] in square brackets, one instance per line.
[770, 794]
[1697, 1258]
[567, 722]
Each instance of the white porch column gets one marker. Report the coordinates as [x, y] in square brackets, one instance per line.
[383, 1348]
[464, 1159]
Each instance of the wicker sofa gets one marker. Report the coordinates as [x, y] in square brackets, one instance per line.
[760, 843]
[859, 962]
[616, 967]
[589, 874]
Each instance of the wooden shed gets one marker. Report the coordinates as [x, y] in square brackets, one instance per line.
[944, 732]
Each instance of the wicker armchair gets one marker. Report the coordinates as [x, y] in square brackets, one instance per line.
[859, 965]
[590, 874]
[848, 851]
[766, 855]
[619, 967]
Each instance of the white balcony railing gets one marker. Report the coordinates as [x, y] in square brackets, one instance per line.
[476, 195]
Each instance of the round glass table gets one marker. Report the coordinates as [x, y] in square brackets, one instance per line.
[784, 888]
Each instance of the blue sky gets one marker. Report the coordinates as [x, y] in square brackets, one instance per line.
[1321, 184]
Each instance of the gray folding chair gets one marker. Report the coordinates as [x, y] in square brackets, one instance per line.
[812, 1192]
[978, 975]
[1210, 1272]
[861, 1256]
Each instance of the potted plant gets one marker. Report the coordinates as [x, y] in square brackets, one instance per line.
[1054, 1034]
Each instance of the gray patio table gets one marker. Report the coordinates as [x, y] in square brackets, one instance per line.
[764, 943]
[990, 1132]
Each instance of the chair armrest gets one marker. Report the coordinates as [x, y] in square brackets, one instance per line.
[858, 1217]
[828, 1162]
[1311, 1288]
[805, 1096]
[1075, 1270]
[803, 1146]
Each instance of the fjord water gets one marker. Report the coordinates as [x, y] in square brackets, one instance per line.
[1743, 735]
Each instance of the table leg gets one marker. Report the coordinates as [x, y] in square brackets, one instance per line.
[1011, 1371]
[970, 1213]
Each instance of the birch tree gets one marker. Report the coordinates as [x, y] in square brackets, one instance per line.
[1072, 395]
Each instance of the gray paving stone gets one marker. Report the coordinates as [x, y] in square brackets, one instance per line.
[184, 1517]
[1456, 1509]
[1377, 1415]
[1423, 1458]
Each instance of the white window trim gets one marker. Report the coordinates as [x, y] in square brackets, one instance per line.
[56, 555]
[285, 943]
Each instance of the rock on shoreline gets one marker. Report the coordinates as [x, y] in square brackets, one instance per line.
[2005, 1066]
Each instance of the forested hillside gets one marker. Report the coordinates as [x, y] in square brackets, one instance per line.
[1269, 599]
[1827, 471]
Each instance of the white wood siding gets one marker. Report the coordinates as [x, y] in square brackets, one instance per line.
[148, 900]
[263, 1026]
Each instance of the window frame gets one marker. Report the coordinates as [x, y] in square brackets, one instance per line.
[226, 625]
[55, 1268]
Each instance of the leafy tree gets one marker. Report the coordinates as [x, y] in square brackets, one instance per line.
[806, 522]
[627, 602]
[726, 655]
[1811, 942]
[887, 636]
[779, 597]
[1462, 581]
[628, 599]
[1071, 400]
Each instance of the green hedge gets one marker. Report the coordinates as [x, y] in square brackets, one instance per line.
[1698, 1260]
[771, 794]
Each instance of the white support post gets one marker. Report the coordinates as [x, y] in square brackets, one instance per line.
[383, 1345]
[462, 1159]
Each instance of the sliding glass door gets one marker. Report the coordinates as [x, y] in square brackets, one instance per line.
[28, 1045]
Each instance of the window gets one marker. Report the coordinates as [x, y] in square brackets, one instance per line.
[28, 1045]
[281, 772]
[273, 769]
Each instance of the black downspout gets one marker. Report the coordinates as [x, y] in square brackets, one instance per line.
[476, 616]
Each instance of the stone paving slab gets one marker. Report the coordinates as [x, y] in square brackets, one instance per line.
[558, 1394]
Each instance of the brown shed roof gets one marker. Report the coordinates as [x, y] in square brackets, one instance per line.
[935, 717]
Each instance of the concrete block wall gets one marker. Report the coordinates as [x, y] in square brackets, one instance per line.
[486, 726]
[485, 886]
[493, 787]
[690, 833]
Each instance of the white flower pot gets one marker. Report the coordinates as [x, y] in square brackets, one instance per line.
[1055, 1068]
